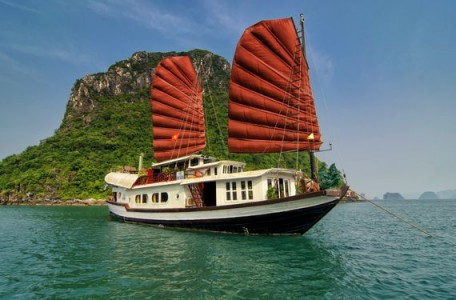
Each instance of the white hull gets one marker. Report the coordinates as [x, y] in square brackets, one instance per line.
[292, 215]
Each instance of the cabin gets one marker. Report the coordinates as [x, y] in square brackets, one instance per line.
[199, 181]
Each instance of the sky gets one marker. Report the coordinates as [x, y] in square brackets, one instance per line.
[383, 72]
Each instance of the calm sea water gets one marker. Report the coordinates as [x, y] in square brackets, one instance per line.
[356, 252]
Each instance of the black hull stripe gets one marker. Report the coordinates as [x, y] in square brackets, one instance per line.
[291, 222]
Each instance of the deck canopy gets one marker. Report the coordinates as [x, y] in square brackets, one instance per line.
[125, 180]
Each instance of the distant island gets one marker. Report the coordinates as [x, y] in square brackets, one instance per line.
[428, 196]
[447, 194]
[392, 196]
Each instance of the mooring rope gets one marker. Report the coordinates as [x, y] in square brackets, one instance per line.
[398, 217]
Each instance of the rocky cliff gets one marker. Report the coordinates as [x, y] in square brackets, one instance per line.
[129, 76]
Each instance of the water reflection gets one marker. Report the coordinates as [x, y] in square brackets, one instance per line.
[356, 251]
[203, 264]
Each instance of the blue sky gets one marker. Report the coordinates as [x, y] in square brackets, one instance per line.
[383, 72]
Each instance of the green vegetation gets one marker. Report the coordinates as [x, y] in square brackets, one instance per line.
[329, 177]
[116, 129]
[73, 163]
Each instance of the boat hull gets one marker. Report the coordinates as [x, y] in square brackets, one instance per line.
[292, 215]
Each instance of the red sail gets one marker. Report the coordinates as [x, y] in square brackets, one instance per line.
[177, 109]
[271, 107]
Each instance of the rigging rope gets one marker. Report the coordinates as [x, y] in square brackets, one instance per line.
[221, 134]
[317, 76]
[398, 217]
[190, 116]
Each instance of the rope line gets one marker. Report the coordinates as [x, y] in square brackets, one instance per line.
[399, 217]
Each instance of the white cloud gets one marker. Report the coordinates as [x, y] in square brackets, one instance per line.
[322, 64]
[18, 6]
[11, 67]
[145, 14]
[211, 18]
[219, 14]
[69, 54]
[5, 58]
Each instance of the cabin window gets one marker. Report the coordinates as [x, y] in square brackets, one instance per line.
[137, 198]
[114, 196]
[233, 189]
[246, 190]
[234, 169]
[215, 171]
[209, 172]
[180, 166]
[243, 191]
[194, 162]
[228, 191]
[155, 198]
[164, 197]
[144, 198]
[250, 189]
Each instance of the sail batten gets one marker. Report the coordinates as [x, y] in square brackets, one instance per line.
[249, 97]
[265, 146]
[269, 55]
[177, 109]
[271, 106]
[262, 132]
[262, 117]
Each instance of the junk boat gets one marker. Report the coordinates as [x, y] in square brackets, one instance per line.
[271, 110]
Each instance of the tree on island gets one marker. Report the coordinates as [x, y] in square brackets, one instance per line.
[329, 177]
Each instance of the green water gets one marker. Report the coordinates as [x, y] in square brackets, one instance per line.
[356, 252]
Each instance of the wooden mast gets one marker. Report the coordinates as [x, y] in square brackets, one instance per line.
[313, 174]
